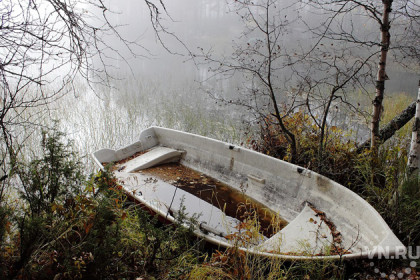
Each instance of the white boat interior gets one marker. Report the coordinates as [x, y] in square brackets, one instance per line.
[325, 219]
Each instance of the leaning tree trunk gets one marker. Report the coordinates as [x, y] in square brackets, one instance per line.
[392, 127]
[414, 155]
[381, 76]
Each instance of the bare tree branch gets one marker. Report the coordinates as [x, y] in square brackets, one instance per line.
[46, 44]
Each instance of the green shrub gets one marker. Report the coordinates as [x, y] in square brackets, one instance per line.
[67, 228]
[53, 176]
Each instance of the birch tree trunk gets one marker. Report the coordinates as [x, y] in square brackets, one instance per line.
[414, 155]
[381, 76]
[392, 127]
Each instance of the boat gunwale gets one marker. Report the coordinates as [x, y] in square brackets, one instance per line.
[367, 253]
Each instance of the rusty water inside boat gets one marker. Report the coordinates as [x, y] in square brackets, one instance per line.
[233, 202]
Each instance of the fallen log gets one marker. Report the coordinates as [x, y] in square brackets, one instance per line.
[393, 126]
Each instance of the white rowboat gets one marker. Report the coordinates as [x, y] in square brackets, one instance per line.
[324, 219]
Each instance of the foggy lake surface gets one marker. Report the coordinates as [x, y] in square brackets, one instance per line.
[166, 86]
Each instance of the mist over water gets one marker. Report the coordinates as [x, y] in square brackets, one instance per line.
[164, 85]
[211, 25]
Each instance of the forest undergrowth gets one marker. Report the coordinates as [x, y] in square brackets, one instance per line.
[66, 225]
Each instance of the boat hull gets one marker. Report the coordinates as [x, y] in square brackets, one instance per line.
[282, 187]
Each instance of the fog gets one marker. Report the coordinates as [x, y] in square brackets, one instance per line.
[161, 81]
[211, 25]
